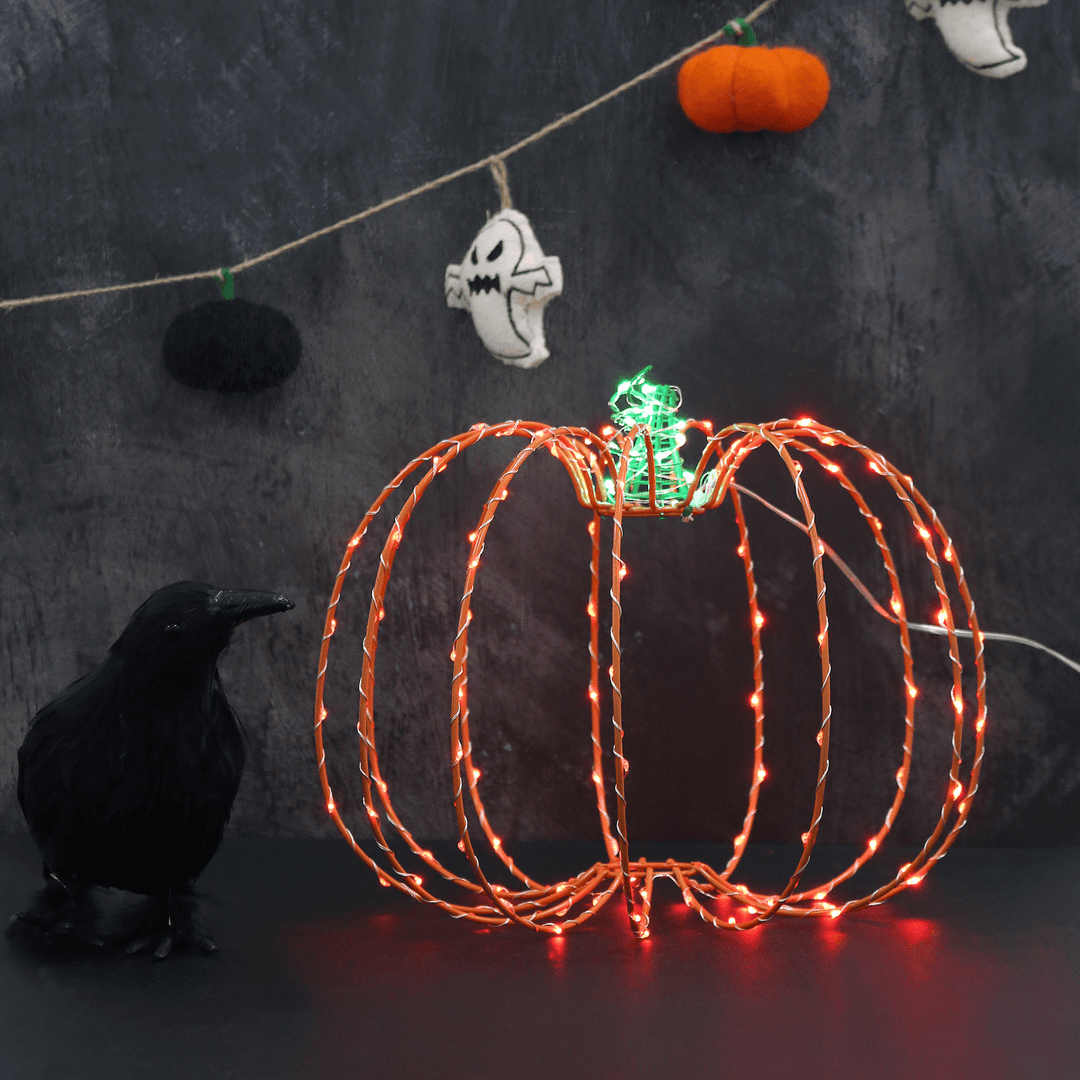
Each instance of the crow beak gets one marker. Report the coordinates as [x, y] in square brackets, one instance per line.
[237, 606]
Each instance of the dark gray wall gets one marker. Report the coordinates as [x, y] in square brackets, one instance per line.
[904, 269]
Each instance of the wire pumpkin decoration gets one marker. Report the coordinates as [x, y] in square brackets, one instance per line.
[615, 474]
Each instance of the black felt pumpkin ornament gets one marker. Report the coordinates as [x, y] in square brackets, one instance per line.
[231, 346]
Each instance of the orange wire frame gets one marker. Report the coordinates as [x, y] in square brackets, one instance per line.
[556, 908]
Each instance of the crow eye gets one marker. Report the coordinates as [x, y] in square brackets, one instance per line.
[173, 629]
[496, 251]
[474, 256]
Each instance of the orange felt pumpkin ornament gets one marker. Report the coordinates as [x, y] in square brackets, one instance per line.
[753, 88]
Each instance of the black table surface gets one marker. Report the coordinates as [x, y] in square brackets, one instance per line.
[322, 973]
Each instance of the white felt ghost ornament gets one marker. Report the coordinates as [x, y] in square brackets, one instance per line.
[977, 32]
[504, 282]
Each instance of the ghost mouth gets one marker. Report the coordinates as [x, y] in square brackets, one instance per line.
[483, 284]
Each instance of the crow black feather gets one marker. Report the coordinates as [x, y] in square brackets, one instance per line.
[127, 778]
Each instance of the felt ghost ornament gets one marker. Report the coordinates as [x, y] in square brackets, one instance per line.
[504, 282]
[977, 32]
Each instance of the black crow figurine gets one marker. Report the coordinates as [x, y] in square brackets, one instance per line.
[128, 777]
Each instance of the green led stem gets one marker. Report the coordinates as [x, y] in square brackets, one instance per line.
[656, 407]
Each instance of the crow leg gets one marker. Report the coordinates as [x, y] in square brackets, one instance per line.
[65, 906]
[173, 925]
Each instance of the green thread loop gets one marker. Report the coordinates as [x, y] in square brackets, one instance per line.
[226, 284]
[741, 31]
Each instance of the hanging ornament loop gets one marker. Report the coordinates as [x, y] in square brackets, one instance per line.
[741, 31]
[498, 173]
[226, 283]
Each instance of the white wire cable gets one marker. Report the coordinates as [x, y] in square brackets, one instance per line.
[925, 628]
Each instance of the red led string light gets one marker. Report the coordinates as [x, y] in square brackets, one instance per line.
[594, 473]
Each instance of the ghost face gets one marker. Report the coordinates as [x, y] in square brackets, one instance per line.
[493, 258]
[504, 282]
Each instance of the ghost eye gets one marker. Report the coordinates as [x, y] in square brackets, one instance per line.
[474, 256]
[496, 251]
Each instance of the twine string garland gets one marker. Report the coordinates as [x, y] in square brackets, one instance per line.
[494, 162]
[600, 485]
